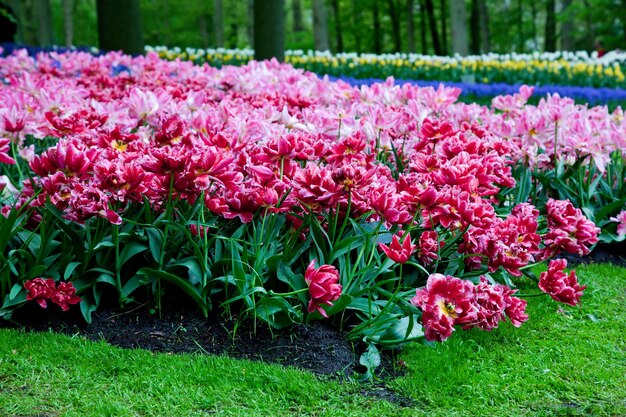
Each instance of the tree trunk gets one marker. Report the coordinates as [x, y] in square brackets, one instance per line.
[423, 27]
[338, 33]
[458, 25]
[43, 22]
[269, 29]
[475, 33]
[567, 28]
[377, 32]
[20, 16]
[444, 26]
[250, 22]
[395, 25]
[623, 19]
[520, 26]
[410, 26]
[203, 29]
[119, 26]
[533, 23]
[434, 34]
[356, 25]
[485, 36]
[218, 23]
[320, 26]
[8, 27]
[298, 22]
[550, 45]
[68, 22]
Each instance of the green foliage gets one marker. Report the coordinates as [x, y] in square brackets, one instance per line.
[599, 194]
[513, 26]
[566, 364]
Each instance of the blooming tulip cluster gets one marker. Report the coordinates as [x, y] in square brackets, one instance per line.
[323, 286]
[447, 301]
[42, 290]
[267, 139]
[559, 285]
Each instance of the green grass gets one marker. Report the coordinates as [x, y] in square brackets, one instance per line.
[563, 362]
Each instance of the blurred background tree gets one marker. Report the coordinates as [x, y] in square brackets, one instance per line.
[424, 26]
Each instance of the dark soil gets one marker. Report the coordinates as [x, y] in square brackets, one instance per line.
[314, 347]
[614, 253]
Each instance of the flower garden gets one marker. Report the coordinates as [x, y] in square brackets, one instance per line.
[269, 194]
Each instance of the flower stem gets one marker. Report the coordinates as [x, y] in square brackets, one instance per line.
[284, 294]
[16, 156]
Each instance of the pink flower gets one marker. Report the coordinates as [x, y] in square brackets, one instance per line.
[4, 152]
[495, 303]
[621, 219]
[515, 307]
[445, 301]
[396, 251]
[40, 290]
[323, 286]
[560, 286]
[568, 229]
[429, 247]
[491, 304]
[64, 295]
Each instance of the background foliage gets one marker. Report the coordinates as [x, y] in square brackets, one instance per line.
[359, 26]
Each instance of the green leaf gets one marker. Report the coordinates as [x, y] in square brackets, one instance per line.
[87, 306]
[131, 249]
[277, 312]
[370, 359]
[338, 306]
[35, 271]
[193, 268]
[103, 244]
[345, 246]
[610, 208]
[155, 240]
[15, 291]
[237, 265]
[286, 275]
[69, 269]
[180, 283]
[405, 328]
[364, 305]
[132, 284]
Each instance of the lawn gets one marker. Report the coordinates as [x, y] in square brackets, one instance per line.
[564, 361]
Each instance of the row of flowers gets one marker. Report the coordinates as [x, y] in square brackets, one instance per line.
[591, 95]
[270, 192]
[562, 68]
[472, 85]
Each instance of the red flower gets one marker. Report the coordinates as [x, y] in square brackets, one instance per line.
[568, 229]
[515, 307]
[491, 304]
[495, 303]
[40, 289]
[323, 286]
[429, 247]
[65, 295]
[560, 286]
[396, 251]
[4, 152]
[445, 301]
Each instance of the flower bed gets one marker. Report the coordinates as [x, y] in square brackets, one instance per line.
[269, 194]
[558, 68]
